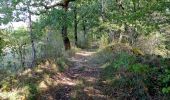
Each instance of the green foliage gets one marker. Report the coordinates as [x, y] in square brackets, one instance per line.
[62, 65]
[139, 68]
[20, 35]
[5, 86]
[6, 11]
[2, 42]
[33, 91]
[166, 90]
[131, 78]
[7, 81]
[103, 56]
[126, 75]
[125, 83]
[1, 45]
[108, 72]
[123, 60]
[165, 78]
[104, 41]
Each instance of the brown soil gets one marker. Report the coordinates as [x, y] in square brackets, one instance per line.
[79, 82]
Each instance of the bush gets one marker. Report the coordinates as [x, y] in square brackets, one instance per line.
[104, 41]
[139, 68]
[111, 52]
[124, 84]
[123, 59]
[62, 65]
[127, 78]
[165, 79]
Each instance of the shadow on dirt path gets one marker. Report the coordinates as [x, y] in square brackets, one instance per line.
[79, 82]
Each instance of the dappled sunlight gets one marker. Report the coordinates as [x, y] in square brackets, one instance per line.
[85, 50]
[90, 80]
[95, 93]
[104, 65]
[39, 70]
[89, 90]
[8, 95]
[42, 77]
[43, 85]
[70, 83]
[15, 94]
[81, 56]
[26, 72]
[63, 79]
[77, 60]
[52, 84]
[85, 53]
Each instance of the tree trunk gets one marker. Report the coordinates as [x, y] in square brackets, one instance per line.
[66, 40]
[84, 29]
[103, 10]
[75, 25]
[24, 53]
[21, 56]
[14, 57]
[31, 38]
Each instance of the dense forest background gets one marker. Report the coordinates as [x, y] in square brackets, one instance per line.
[126, 42]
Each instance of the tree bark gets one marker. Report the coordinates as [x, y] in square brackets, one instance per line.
[21, 56]
[63, 4]
[66, 40]
[31, 37]
[84, 29]
[75, 25]
[103, 10]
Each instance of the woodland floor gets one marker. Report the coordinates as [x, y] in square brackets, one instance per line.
[79, 82]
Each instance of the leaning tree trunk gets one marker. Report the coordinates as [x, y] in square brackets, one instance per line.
[66, 40]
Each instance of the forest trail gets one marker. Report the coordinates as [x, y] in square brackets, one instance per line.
[79, 82]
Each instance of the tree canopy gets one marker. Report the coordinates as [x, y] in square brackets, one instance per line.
[84, 49]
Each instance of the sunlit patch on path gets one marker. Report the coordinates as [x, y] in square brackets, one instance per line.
[85, 53]
[78, 82]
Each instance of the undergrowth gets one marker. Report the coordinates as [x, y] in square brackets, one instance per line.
[26, 84]
[126, 77]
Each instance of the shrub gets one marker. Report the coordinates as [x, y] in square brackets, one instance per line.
[62, 65]
[111, 52]
[127, 78]
[104, 41]
[123, 59]
[165, 78]
[124, 84]
[139, 68]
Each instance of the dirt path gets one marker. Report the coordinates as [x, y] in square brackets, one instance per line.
[88, 74]
[81, 67]
[79, 81]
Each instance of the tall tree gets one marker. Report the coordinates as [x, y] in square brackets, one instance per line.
[31, 34]
[64, 4]
[75, 25]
